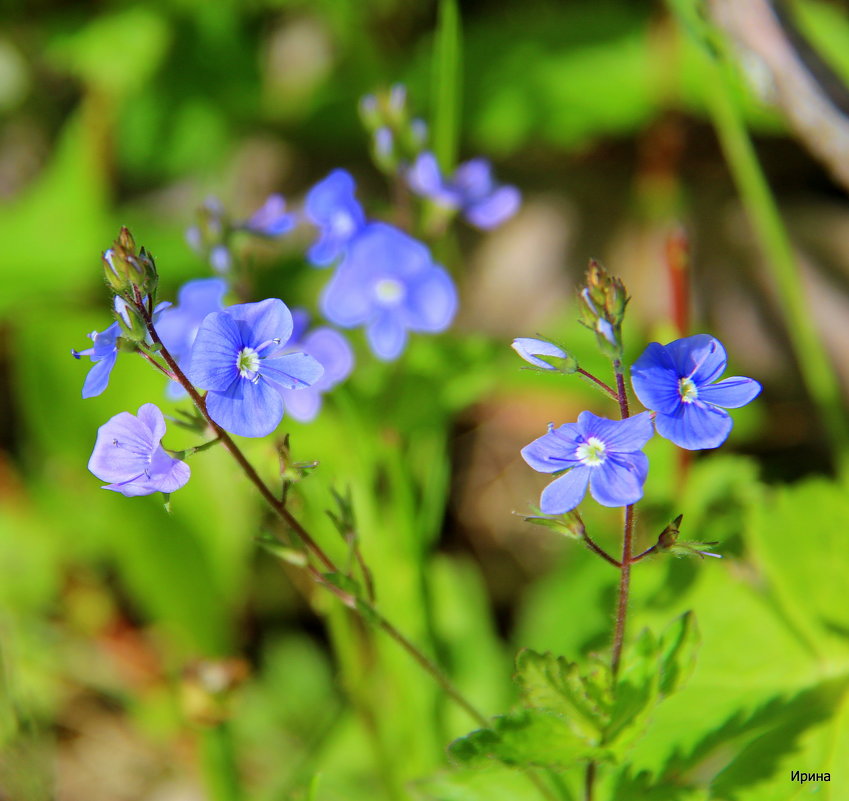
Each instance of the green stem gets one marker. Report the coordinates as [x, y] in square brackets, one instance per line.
[218, 762]
[446, 85]
[818, 374]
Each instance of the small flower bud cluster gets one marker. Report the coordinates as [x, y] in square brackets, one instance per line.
[397, 138]
[130, 275]
[602, 302]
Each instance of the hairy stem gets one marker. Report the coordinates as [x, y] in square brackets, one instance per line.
[624, 588]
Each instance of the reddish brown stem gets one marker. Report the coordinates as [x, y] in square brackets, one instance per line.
[604, 387]
[624, 588]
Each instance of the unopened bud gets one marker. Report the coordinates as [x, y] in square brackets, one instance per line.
[603, 301]
[545, 355]
[129, 274]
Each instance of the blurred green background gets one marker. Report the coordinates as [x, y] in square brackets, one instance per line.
[117, 113]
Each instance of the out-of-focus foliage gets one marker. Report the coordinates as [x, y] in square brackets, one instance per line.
[131, 114]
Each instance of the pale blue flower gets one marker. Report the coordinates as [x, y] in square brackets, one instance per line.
[129, 455]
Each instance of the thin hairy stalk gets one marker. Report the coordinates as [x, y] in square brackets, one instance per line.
[275, 503]
[624, 588]
[597, 549]
[621, 393]
[606, 388]
[167, 373]
[644, 554]
[357, 604]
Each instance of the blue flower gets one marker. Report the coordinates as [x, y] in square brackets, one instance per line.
[178, 326]
[603, 454]
[128, 455]
[104, 353]
[271, 219]
[676, 382]
[331, 350]
[239, 357]
[331, 205]
[389, 283]
[471, 189]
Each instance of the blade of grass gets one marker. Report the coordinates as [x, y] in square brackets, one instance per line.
[447, 71]
[781, 262]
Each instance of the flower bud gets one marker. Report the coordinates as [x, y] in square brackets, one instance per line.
[668, 541]
[603, 301]
[129, 274]
[545, 355]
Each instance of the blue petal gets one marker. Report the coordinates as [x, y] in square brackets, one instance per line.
[133, 488]
[700, 357]
[473, 179]
[431, 301]
[167, 474]
[618, 481]
[732, 393]
[262, 322]
[332, 195]
[386, 335]
[98, 377]
[425, 177]
[303, 405]
[292, 370]
[346, 300]
[151, 417]
[271, 218]
[619, 436]
[215, 353]
[565, 493]
[655, 379]
[695, 426]
[554, 451]
[122, 449]
[248, 409]
[333, 352]
[496, 208]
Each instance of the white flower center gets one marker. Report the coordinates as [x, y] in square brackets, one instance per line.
[389, 291]
[592, 452]
[687, 390]
[342, 224]
[248, 363]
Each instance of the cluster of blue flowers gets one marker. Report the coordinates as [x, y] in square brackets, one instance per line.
[255, 361]
[676, 382]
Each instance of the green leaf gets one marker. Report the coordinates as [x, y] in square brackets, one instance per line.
[492, 782]
[553, 684]
[678, 653]
[528, 737]
[797, 533]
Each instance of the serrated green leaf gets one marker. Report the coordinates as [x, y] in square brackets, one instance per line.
[494, 782]
[552, 683]
[528, 737]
